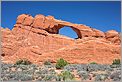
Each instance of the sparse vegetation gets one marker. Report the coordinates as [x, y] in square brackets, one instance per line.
[49, 77]
[116, 75]
[71, 72]
[116, 62]
[23, 71]
[61, 63]
[100, 77]
[23, 62]
[93, 63]
[83, 75]
[47, 62]
[66, 75]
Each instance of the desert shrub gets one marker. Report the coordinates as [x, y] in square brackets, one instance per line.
[100, 77]
[115, 66]
[47, 62]
[61, 63]
[23, 77]
[78, 67]
[42, 71]
[49, 77]
[52, 71]
[58, 78]
[23, 62]
[5, 66]
[93, 67]
[97, 67]
[66, 75]
[83, 75]
[93, 63]
[116, 75]
[116, 62]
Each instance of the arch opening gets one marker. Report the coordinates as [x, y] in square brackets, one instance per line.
[68, 31]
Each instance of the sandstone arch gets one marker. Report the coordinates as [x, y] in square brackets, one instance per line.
[52, 25]
[77, 31]
[56, 29]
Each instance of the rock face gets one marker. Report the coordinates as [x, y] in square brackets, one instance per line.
[113, 36]
[37, 39]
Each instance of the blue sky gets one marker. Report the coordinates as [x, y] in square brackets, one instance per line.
[102, 15]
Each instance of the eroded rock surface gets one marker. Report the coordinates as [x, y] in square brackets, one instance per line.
[37, 39]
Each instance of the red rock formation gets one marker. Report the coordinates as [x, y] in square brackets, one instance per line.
[37, 39]
[113, 36]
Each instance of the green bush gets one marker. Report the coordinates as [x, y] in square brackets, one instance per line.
[93, 63]
[116, 62]
[66, 75]
[23, 62]
[49, 77]
[47, 62]
[61, 63]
